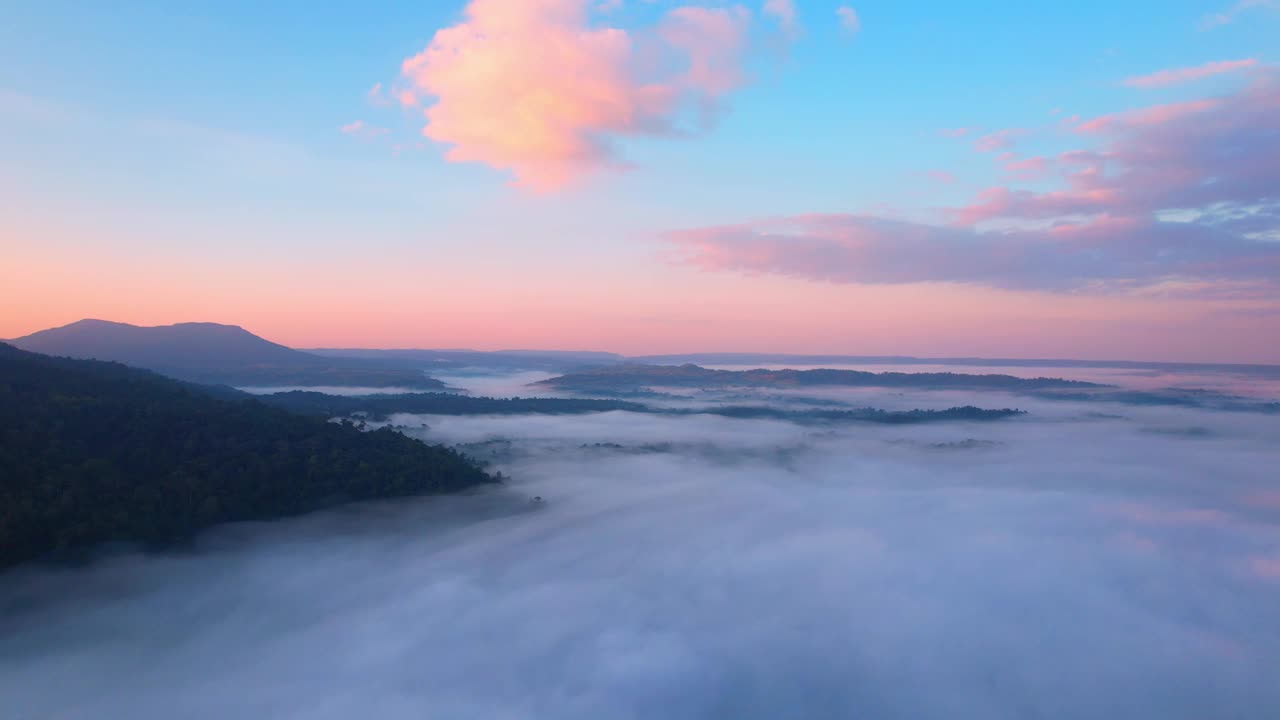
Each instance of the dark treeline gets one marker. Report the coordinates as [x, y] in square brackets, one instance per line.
[872, 415]
[379, 407]
[756, 359]
[94, 451]
[1170, 397]
[286, 376]
[642, 377]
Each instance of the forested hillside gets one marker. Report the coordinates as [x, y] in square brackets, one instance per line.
[94, 451]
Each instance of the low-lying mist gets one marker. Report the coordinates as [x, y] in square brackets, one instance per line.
[1084, 561]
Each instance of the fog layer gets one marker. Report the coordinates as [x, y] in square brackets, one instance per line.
[1081, 562]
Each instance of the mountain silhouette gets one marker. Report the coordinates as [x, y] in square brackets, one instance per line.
[219, 354]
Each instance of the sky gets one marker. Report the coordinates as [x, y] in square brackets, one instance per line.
[1089, 180]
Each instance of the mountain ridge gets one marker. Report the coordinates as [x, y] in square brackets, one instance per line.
[215, 353]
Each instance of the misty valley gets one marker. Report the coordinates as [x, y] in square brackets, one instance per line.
[587, 537]
[640, 360]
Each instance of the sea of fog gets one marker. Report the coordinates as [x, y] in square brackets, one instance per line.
[1087, 560]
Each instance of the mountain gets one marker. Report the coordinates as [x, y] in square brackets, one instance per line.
[93, 451]
[631, 377]
[216, 354]
[186, 345]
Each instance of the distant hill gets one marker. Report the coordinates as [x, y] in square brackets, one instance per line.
[94, 451]
[630, 377]
[216, 354]
[186, 345]
[757, 359]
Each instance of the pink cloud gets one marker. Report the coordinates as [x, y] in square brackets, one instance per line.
[406, 98]
[1233, 13]
[1173, 199]
[784, 11]
[1150, 515]
[941, 176]
[1109, 255]
[1068, 123]
[360, 128]
[1032, 168]
[1218, 157]
[998, 140]
[1269, 499]
[850, 22]
[1156, 115]
[1265, 567]
[712, 40]
[1177, 76]
[535, 88]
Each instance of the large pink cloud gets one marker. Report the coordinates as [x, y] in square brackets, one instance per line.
[538, 88]
[1181, 198]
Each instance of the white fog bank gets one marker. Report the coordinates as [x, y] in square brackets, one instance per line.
[1080, 562]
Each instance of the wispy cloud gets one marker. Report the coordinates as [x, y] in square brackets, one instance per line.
[1149, 116]
[1177, 76]
[360, 128]
[849, 20]
[377, 96]
[998, 140]
[1233, 13]
[1025, 168]
[784, 12]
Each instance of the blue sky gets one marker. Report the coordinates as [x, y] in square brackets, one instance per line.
[210, 135]
[856, 118]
